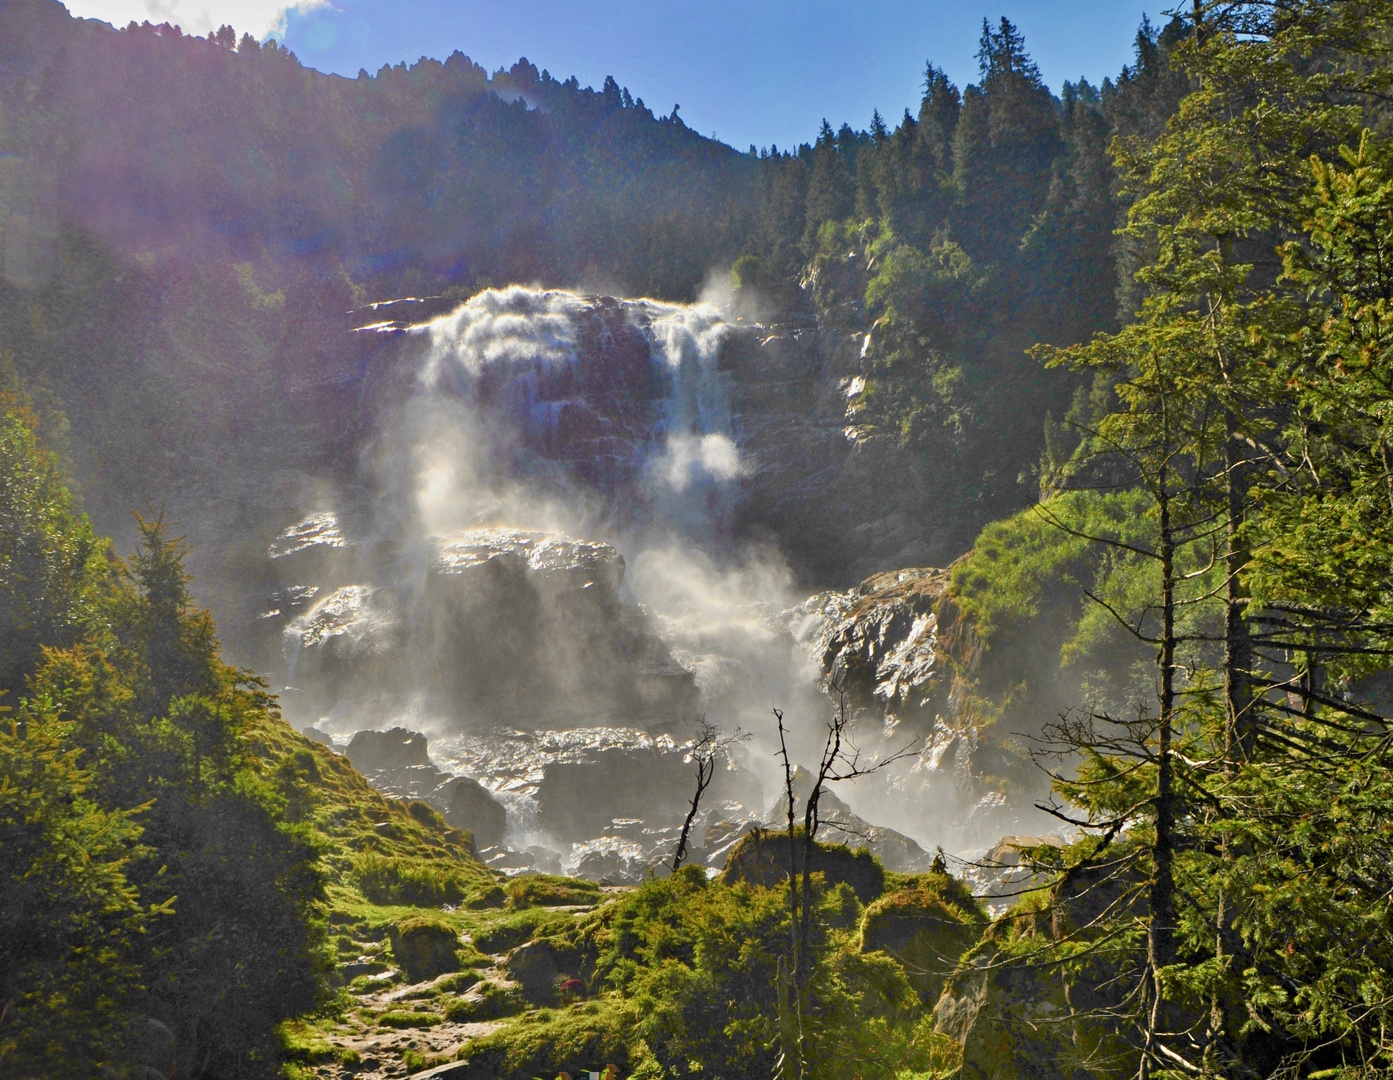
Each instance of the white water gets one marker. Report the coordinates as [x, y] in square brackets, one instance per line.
[542, 412]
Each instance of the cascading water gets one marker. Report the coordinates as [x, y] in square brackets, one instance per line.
[535, 565]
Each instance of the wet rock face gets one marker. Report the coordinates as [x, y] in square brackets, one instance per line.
[397, 748]
[879, 641]
[501, 626]
[583, 800]
[397, 763]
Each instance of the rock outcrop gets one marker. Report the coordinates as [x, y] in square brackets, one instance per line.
[383, 751]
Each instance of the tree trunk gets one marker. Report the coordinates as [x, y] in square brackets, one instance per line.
[1161, 932]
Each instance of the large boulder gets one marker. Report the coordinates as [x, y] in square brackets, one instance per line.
[467, 804]
[1013, 1011]
[542, 967]
[927, 926]
[841, 825]
[390, 750]
[425, 948]
[762, 858]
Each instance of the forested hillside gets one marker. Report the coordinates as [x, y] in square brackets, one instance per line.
[200, 214]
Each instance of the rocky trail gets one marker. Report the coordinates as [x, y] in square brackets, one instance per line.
[391, 1026]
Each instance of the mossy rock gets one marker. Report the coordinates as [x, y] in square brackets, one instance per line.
[425, 948]
[927, 926]
[1014, 1022]
[547, 1042]
[762, 859]
[485, 1001]
[1012, 1012]
[543, 965]
[548, 890]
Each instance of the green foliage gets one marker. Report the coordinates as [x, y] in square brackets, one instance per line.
[577, 1039]
[400, 1019]
[69, 918]
[52, 567]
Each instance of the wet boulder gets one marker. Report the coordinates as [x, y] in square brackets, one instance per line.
[880, 639]
[578, 800]
[467, 804]
[395, 749]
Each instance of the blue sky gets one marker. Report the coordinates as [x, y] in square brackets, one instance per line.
[749, 71]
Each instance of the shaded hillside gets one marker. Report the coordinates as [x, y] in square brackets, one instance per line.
[176, 147]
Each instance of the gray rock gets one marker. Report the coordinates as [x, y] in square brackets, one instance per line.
[467, 804]
[453, 1070]
[396, 748]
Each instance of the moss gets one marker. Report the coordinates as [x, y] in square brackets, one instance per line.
[762, 858]
[425, 947]
[515, 927]
[553, 1041]
[425, 814]
[402, 1019]
[486, 1001]
[927, 925]
[419, 882]
[305, 1044]
[547, 890]
[457, 981]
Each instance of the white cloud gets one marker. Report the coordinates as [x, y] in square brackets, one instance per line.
[260, 18]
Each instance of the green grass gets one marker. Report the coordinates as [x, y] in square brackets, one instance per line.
[304, 1044]
[493, 1003]
[548, 1042]
[401, 1019]
[511, 929]
[548, 890]
[424, 882]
